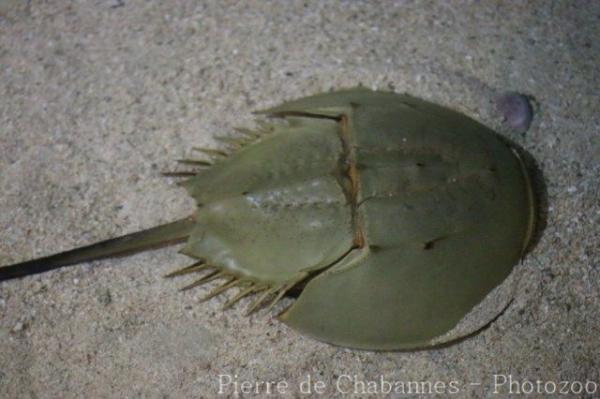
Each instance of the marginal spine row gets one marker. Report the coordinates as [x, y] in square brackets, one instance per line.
[246, 287]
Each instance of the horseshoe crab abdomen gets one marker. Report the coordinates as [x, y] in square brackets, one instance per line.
[276, 210]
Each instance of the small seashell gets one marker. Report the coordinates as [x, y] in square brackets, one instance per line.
[516, 110]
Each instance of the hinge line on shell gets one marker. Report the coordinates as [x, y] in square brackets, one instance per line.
[351, 171]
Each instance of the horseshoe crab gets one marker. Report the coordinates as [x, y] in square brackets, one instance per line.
[391, 216]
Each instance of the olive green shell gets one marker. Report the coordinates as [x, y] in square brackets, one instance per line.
[394, 216]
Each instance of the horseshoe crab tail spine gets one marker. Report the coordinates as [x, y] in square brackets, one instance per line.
[166, 234]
